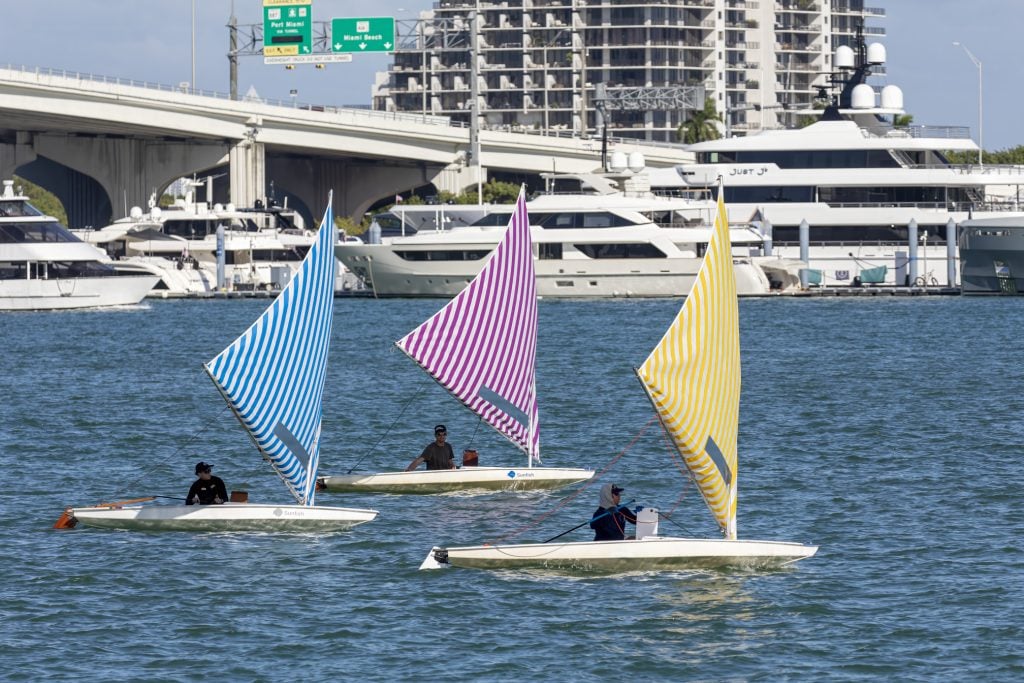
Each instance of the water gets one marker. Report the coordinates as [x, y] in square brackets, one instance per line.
[887, 431]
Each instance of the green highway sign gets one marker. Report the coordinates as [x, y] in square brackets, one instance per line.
[374, 34]
[287, 28]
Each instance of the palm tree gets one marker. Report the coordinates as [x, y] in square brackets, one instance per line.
[701, 125]
[902, 120]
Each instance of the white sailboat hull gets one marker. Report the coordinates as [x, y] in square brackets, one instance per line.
[646, 554]
[226, 517]
[466, 478]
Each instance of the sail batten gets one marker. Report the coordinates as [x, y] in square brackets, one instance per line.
[693, 378]
[481, 346]
[272, 376]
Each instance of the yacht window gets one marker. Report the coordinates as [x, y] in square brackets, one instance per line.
[581, 219]
[195, 230]
[494, 220]
[549, 251]
[444, 255]
[295, 254]
[14, 233]
[13, 271]
[638, 250]
[11, 209]
[768, 194]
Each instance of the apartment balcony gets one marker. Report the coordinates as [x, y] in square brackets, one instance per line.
[812, 28]
[792, 47]
[806, 6]
[796, 67]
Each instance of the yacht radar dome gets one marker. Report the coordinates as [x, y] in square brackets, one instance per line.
[230, 208]
[135, 213]
[155, 212]
[892, 97]
[617, 162]
[636, 162]
[863, 97]
[218, 208]
[876, 53]
[844, 57]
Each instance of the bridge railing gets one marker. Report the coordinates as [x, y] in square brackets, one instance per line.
[73, 76]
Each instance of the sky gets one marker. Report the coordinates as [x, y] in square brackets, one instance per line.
[151, 40]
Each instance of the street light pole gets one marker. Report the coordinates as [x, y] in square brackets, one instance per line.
[981, 133]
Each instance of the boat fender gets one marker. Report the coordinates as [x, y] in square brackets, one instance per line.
[66, 520]
[181, 265]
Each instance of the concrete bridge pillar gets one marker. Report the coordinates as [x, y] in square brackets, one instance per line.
[248, 161]
[129, 170]
[456, 178]
[357, 183]
[18, 154]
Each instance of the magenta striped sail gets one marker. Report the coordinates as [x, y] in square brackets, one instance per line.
[482, 345]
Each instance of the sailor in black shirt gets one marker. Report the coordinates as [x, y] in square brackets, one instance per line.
[207, 489]
[438, 455]
[609, 520]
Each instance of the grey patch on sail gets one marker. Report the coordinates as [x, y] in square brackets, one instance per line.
[289, 440]
[717, 457]
[503, 404]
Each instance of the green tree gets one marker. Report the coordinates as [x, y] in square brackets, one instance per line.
[1013, 156]
[44, 200]
[701, 125]
[349, 226]
[902, 120]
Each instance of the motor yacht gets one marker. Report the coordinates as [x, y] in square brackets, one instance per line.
[599, 244]
[858, 181]
[43, 266]
[262, 246]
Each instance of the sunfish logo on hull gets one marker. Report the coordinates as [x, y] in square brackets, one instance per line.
[511, 474]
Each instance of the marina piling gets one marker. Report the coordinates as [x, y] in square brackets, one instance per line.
[912, 251]
[951, 253]
[805, 247]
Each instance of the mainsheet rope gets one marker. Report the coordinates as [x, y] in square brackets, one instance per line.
[536, 521]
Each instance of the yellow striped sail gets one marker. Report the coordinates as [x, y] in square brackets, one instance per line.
[693, 378]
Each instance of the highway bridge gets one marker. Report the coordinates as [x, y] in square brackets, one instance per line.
[102, 145]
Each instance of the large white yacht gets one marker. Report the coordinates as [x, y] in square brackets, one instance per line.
[43, 266]
[263, 246]
[857, 180]
[585, 245]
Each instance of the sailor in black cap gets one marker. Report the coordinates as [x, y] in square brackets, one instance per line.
[207, 489]
[438, 454]
[609, 520]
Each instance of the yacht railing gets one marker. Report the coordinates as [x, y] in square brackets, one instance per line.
[962, 207]
[942, 132]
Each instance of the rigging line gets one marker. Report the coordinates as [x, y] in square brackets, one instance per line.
[475, 430]
[177, 451]
[578, 491]
[677, 524]
[423, 385]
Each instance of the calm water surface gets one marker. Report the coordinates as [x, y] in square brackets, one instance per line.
[887, 431]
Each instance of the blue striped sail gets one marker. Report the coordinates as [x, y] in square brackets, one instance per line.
[273, 375]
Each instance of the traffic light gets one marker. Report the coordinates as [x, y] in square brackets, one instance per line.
[289, 67]
[320, 66]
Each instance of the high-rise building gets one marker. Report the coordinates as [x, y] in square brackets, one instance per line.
[538, 61]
